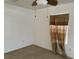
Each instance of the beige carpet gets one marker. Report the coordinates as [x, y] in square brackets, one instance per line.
[32, 52]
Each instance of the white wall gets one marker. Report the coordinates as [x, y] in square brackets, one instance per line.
[42, 30]
[21, 29]
[18, 27]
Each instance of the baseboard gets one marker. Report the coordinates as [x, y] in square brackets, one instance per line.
[39, 47]
[16, 49]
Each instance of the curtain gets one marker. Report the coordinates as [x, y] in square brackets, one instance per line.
[58, 29]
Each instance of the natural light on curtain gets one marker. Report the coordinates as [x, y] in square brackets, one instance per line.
[61, 29]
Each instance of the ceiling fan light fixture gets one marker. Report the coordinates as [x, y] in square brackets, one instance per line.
[42, 2]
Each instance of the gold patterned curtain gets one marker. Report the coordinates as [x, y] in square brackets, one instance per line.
[58, 27]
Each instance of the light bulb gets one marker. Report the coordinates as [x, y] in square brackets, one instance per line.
[41, 2]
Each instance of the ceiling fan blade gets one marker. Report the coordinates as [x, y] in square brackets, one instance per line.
[52, 2]
[34, 3]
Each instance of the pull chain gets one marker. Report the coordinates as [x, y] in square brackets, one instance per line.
[35, 11]
[47, 12]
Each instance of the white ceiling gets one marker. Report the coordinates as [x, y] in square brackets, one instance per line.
[28, 3]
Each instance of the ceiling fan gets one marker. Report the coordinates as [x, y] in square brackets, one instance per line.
[45, 2]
